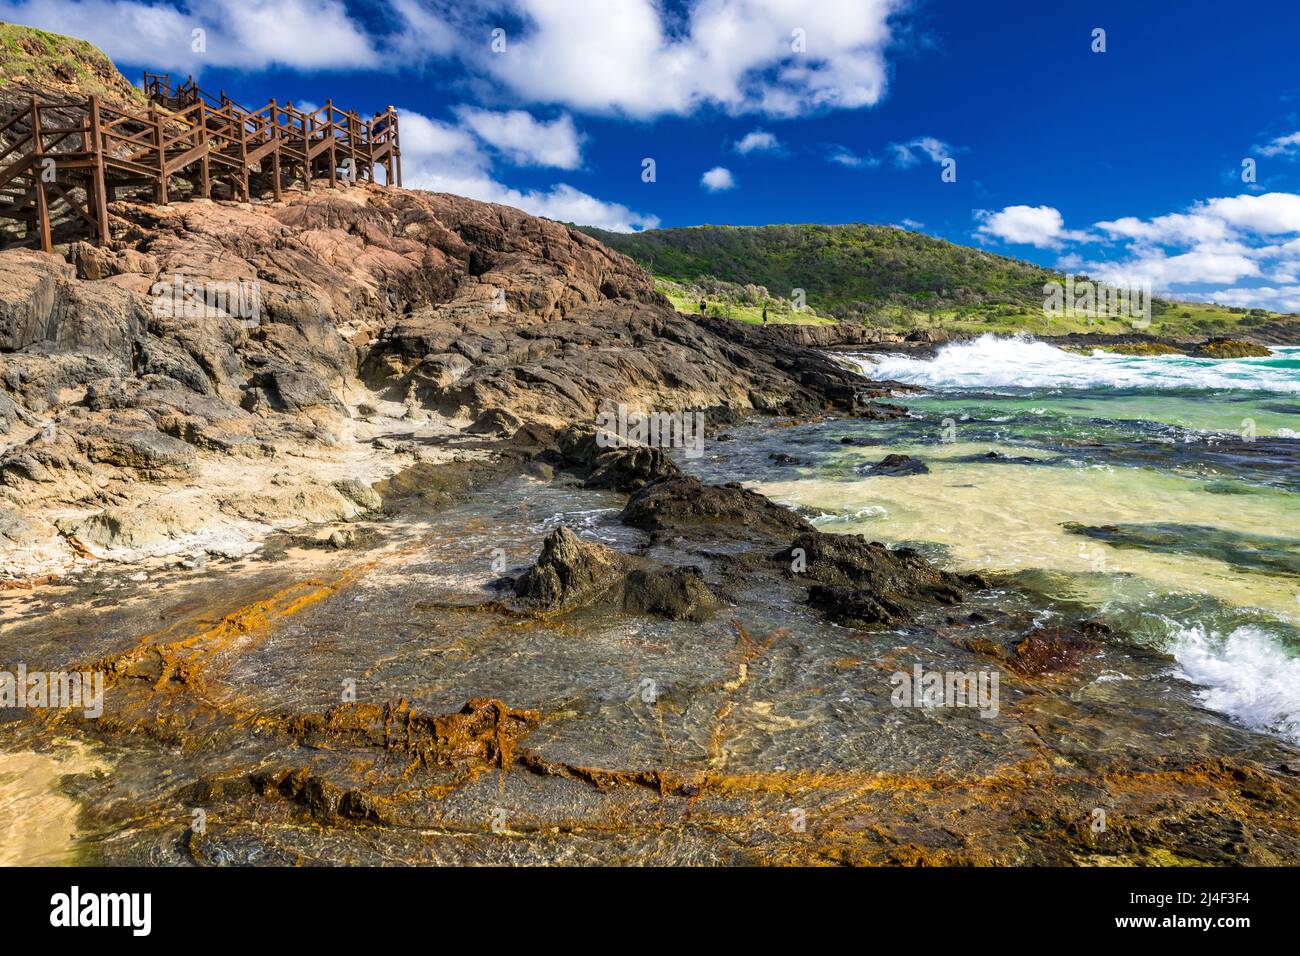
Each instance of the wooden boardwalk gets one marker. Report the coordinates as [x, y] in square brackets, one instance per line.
[63, 160]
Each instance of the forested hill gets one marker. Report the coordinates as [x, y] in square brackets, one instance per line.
[847, 271]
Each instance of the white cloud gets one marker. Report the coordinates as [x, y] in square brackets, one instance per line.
[1178, 228]
[905, 154]
[249, 34]
[846, 157]
[1040, 226]
[758, 141]
[1281, 146]
[524, 140]
[422, 34]
[718, 179]
[632, 57]
[446, 158]
[636, 58]
[1205, 264]
[1269, 214]
[1276, 299]
[1226, 240]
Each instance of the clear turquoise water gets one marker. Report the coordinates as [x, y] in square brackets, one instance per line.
[1157, 492]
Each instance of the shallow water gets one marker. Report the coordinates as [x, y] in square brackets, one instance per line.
[1158, 491]
[769, 710]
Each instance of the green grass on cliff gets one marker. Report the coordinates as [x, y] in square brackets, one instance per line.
[881, 275]
[63, 64]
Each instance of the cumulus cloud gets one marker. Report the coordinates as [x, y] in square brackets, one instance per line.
[758, 141]
[444, 157]
[1039, 226]
[843, 156]
[1207, 263]
[247, 34]
[635, 57]
[524, 140]
[1227, 241]
[718, 179]
[1281, 146]
[910, 153]
[638, 58]
[1275, 299]
[1269, 214]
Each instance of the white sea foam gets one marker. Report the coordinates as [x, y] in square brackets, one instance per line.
[1247, 675]
[992, 362]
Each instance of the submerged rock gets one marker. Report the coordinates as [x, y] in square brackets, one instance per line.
[1045, 650]
[895, 466]
[862, 583]
[679, 594]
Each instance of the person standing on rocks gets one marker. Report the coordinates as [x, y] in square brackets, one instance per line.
[703, 308]
[765, 315]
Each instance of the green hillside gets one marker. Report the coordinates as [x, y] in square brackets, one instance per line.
[843, 269]
[882, 275]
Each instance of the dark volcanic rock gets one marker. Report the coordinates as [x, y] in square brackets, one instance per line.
[569, 573]
[862, 582]
[895, 466]
[685, 504]
[678, 593]
[855, 608]
[630, 469]
[1226, 348]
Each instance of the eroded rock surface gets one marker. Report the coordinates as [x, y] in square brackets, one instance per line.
[211, 343]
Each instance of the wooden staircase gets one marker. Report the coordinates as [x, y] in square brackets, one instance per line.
[62, 161]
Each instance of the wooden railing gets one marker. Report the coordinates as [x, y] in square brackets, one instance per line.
[55, 148]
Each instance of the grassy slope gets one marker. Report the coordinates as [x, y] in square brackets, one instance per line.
[879, 274]
[34, 58]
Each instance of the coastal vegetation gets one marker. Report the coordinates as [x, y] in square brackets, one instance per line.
[883, 276]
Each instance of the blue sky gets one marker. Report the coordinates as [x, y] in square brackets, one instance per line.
[1126, 164]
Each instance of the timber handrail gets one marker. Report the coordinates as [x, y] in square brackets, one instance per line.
[92, 148]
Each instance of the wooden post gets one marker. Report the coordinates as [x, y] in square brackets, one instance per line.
[308, 125]
[354, 131]
[38, 173]
[329, 131]
[397, 146]
[98, 189]
[156, 122]
[275, 153]
[243, 152]
[205, 165]
[388, 156]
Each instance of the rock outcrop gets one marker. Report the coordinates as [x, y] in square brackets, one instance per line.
[862, 583]
[215, 338]
[571, 573]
